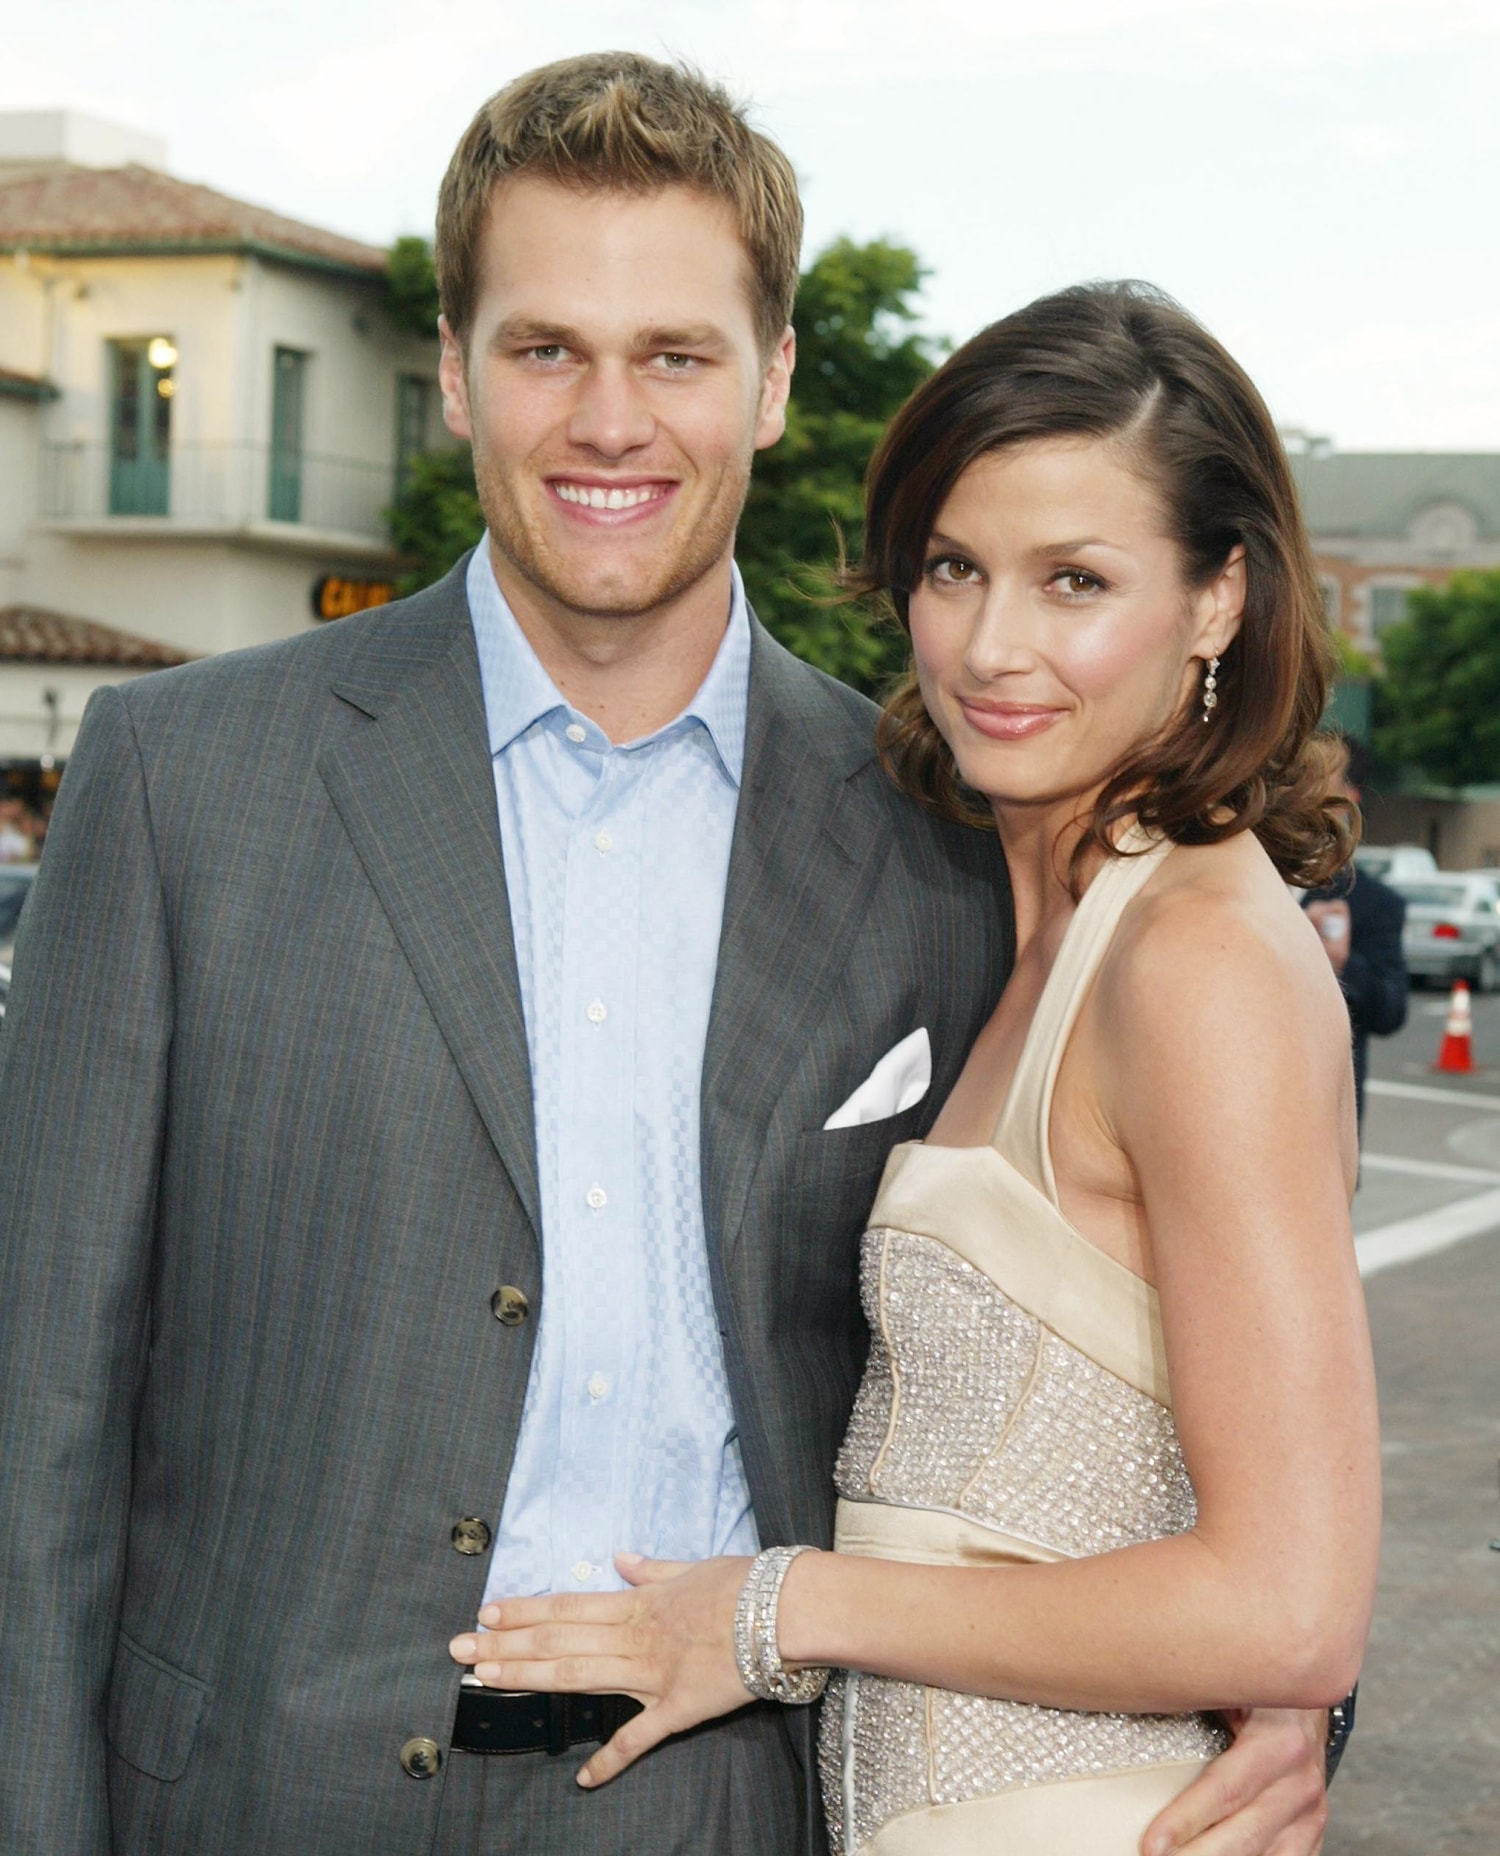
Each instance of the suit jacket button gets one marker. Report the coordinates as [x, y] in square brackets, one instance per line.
[421, 1758]
[470, 1535]
[509, 1306]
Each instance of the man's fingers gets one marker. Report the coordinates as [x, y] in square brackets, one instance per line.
[1278, 1822]
[1263, 1797]
[637, 1736]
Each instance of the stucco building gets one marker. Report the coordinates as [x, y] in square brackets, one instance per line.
[204, 408]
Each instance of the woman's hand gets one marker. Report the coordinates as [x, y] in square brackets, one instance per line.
[669, 1642]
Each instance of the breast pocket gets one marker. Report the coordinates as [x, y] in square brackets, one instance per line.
[841, 1167]
[154, 1711]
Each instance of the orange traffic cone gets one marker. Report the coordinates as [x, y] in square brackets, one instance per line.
[1456, 1052]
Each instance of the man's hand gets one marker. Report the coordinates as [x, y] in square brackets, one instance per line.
[1263, 1797]
[1331, 919]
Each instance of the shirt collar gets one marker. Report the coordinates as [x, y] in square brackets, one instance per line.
[518, 692]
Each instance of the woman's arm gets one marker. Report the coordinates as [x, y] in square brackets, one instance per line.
[1229, 1092]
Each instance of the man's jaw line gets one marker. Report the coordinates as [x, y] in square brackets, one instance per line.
[613, 621]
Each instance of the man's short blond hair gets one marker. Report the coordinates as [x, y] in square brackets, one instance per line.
[618, 120]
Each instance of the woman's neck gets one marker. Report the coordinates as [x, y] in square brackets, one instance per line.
[1039, 842]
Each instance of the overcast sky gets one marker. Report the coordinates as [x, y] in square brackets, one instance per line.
[1316, 179]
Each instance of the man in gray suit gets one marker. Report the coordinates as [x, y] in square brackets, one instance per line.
[414, 1171]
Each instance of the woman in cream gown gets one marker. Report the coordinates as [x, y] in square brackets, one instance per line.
[1114, 1465]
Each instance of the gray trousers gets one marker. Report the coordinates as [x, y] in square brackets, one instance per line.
[732, 1788]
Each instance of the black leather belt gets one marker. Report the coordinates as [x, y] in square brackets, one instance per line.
[488, 1720]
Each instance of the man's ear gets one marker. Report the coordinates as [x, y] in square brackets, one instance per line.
[453, 379]
[776, 386]
[1221, 606]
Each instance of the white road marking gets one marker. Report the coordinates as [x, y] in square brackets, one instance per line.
[1430, 1169]
[1426, 1092]
[1410, 1238]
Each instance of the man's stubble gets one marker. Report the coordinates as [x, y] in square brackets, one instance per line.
[690, 553]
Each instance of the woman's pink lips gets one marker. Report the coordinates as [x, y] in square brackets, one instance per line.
[1008, 722]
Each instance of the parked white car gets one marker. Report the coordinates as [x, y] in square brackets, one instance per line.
[1394, 863]
[1452, 927]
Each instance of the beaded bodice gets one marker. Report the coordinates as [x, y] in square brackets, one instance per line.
[1015, 1407]
[971, 1404]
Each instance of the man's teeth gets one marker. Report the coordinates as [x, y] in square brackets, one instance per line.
[593, 497]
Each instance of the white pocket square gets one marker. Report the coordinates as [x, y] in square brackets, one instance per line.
[899, 1081]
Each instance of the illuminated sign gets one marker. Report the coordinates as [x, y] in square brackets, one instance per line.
[334, 597]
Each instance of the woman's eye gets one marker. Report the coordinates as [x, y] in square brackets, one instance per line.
[1077, 584]
[951, 570]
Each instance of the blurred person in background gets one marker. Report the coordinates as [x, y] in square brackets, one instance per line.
[18, 838]
[1360, 920]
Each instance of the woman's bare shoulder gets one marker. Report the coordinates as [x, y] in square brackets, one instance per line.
[1217, 933]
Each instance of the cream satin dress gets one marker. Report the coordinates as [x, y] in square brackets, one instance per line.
[1015, 1408]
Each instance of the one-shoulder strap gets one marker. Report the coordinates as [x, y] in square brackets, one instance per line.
[1022, 1132]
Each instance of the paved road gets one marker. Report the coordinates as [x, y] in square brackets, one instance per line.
[1423, 1772]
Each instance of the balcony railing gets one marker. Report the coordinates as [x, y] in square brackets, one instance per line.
[217, 486]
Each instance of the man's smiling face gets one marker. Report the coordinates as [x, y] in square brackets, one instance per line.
[615, 394]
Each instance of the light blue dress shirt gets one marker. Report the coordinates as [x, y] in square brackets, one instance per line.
[615, 860]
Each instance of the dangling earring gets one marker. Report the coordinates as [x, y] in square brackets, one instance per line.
[1211, 688]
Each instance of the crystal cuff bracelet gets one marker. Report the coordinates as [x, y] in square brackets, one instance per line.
[755, 1648]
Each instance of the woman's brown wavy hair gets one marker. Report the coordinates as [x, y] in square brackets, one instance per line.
[1123, 361]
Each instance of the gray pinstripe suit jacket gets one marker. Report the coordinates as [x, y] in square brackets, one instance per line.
[265, 1153]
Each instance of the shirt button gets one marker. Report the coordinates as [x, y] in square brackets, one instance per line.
[598, 1012]
[582, 1571]
[598, 1386]
[575, 731]
[603, 841]
[597, 1198]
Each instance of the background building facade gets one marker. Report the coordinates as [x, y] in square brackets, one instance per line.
[204, 413]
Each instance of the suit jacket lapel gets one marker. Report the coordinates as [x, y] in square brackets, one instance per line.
[797, 890]
[415, 790]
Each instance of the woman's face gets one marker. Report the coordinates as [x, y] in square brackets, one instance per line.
[1052, 627]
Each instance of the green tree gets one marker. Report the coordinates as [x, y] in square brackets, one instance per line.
[858, 357]
[1438, 704]
[411, 292]
[436, 516]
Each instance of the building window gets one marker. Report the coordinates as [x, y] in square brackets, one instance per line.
[288, 411]
[414, 396]
[1388, 606]
[140, 425]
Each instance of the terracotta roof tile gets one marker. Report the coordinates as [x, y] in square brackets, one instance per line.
[58, 207]
[32, 635]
